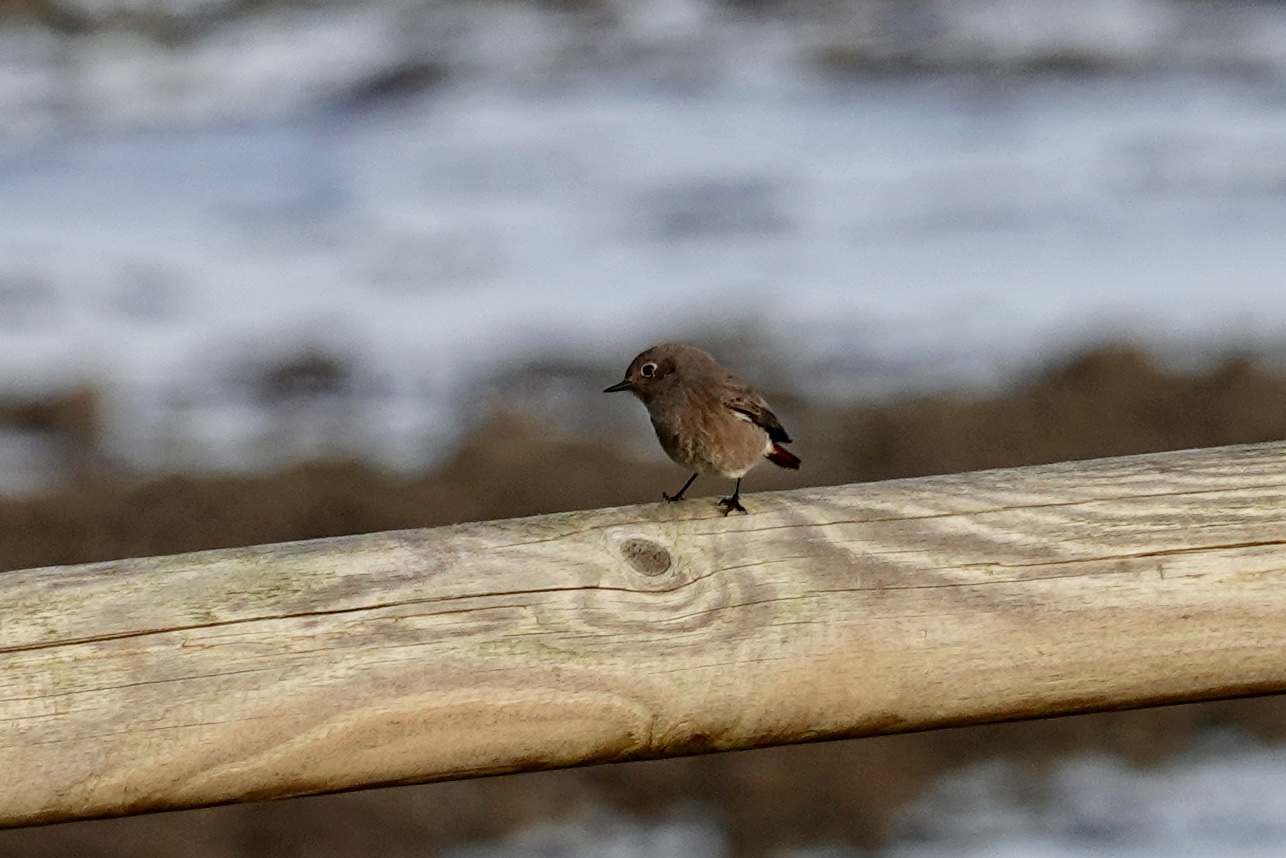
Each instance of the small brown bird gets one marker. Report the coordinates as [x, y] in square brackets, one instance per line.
[706, 418]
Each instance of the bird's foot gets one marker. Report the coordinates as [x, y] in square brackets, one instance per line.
[672, 498]
[730, 503]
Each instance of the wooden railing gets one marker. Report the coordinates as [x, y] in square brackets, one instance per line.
[639, 632]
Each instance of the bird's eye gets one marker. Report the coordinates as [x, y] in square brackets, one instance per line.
[647, 370]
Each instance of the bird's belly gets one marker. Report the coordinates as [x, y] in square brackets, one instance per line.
[727, 448]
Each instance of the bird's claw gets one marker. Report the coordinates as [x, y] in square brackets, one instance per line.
[731, 503]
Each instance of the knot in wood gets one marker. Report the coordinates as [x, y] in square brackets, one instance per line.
[647, 557]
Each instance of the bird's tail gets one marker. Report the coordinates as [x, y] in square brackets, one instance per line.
[783, 458]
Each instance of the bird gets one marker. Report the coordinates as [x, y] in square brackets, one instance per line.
[707, 419]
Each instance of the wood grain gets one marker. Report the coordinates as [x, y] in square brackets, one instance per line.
[640, 632]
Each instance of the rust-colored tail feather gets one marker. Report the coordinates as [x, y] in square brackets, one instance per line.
[783, 458]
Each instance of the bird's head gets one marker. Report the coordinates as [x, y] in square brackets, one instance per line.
[658, 369]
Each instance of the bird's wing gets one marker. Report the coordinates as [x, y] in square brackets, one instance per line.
[752, 407]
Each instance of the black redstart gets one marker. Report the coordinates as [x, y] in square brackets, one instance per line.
[706, 418]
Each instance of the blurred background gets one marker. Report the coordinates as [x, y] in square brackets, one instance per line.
[280, 269]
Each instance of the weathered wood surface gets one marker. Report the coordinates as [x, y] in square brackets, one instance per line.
[640, 632]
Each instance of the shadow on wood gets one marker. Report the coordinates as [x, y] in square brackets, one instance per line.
[641, 632]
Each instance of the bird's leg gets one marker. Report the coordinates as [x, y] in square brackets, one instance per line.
[679, 495]
[733, 502]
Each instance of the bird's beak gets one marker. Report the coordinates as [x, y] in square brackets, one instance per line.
[615, 388]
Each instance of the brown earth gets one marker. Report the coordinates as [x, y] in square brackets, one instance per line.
[1113, 401]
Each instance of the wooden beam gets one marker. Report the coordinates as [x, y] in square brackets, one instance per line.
[639, 632]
